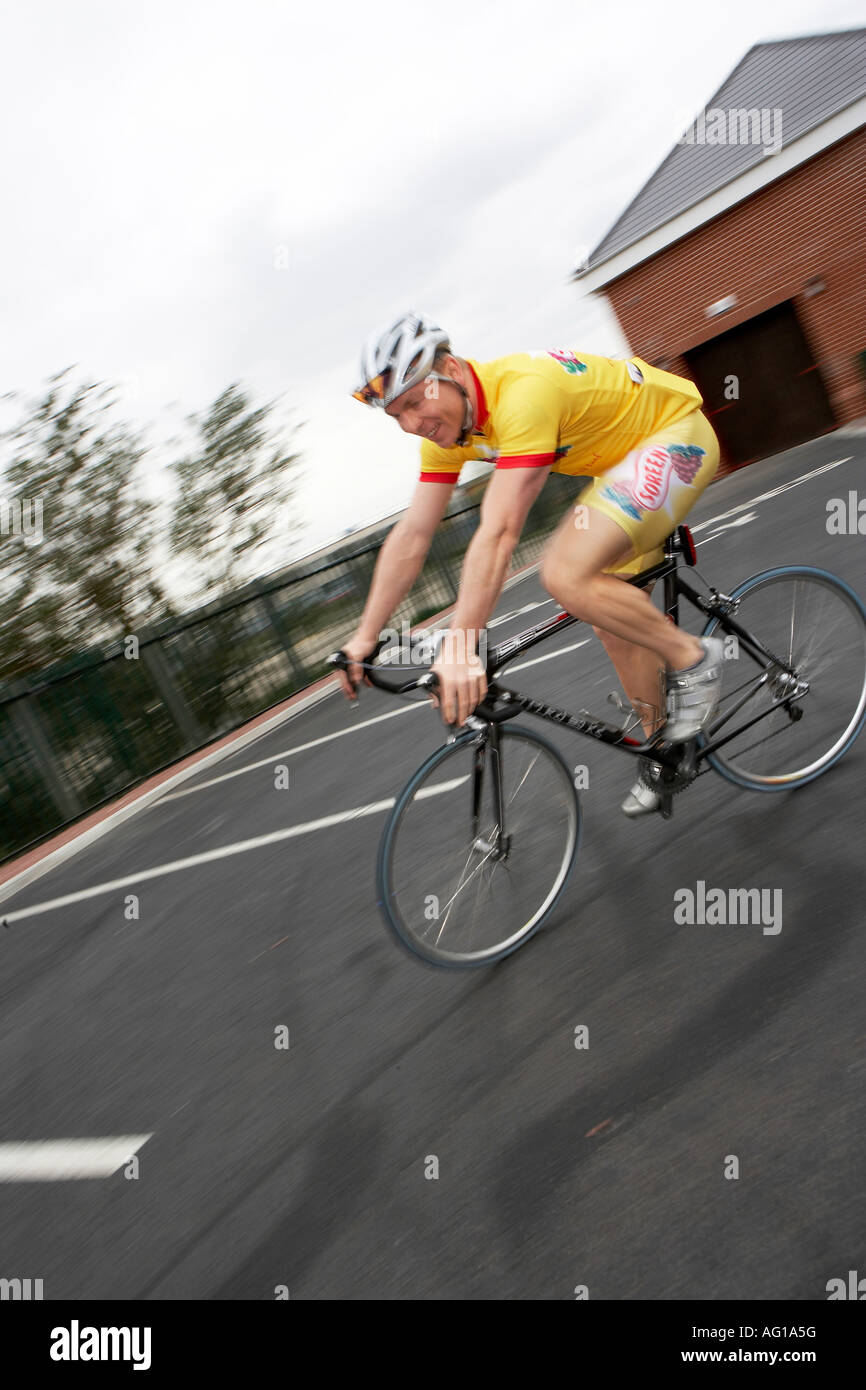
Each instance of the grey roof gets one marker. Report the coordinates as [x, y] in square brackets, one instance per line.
[809, 79]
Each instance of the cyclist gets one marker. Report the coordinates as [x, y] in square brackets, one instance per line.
[641, 436]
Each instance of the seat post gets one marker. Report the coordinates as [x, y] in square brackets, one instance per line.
[673, 547]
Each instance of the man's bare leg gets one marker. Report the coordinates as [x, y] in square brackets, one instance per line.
[573, 570]
[642, 677]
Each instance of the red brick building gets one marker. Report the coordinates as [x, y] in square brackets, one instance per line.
[741, 263]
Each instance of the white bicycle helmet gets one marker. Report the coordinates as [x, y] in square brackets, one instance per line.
[397, 358]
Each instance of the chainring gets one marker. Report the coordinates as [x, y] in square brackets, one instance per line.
[671, 780]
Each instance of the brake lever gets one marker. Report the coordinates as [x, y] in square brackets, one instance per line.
[429, 682]
[341, 660]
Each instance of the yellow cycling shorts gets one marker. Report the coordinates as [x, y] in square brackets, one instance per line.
[651, 490]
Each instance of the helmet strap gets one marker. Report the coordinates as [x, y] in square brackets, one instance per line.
[468, 419]
[468, 413]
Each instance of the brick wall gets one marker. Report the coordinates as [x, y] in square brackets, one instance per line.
[810, 223]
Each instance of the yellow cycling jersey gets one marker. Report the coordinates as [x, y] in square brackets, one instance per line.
[575, 412]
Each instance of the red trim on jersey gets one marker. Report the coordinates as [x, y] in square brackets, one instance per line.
[483, 412]
[526, 461]
[439, 477]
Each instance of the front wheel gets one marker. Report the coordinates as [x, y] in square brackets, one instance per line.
[811, 696]
[479, 847]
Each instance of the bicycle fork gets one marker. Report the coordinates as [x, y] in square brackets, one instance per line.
[488, 762]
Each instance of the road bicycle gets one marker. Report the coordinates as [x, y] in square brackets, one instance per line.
[482, 840]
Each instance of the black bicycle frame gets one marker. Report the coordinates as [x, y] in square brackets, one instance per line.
[718, 606]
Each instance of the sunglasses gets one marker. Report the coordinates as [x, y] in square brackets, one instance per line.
[373, 393]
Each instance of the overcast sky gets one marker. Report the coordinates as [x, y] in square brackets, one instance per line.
[200, 193]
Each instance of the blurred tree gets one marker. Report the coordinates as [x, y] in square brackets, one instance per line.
[77, 538]
[234, 493]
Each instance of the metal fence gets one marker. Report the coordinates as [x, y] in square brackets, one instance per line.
[72, 739]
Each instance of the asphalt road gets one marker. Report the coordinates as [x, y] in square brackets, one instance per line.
[307, 1166]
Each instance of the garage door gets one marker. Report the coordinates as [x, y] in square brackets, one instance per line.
[781, 400]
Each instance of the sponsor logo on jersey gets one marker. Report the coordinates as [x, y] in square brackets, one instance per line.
[653, 470]
[567, 359]
[622, 498]
[652, 474]
[686, 459]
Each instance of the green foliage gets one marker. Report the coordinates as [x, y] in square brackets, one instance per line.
[429, 611]
[233, 493]
[90, 576]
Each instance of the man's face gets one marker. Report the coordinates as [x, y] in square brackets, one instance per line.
[434, 409]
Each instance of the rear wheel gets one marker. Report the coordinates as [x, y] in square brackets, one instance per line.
[812, 694]
[456, 886]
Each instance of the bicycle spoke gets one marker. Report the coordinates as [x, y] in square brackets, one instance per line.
[458, 904]
[815, 628]
[461, 885]
[522, 780]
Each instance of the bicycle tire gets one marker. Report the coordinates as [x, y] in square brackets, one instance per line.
[388, 893]
[727, 761]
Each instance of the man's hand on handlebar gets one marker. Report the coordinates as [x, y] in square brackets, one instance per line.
[358, 648]
[461, 679]
[455, 684]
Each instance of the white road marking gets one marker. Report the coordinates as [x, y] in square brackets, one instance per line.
[765, 496]
[551, 656]
[60, 1159]
[728, 525]
[208, 856]
[290, 752]
[442, 787]
[517, 612]
[113, 819]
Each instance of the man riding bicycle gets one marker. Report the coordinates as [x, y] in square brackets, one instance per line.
[641, 436]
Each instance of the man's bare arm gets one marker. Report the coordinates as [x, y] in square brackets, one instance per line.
[402, 556]
[505, 507]
[399, 563]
